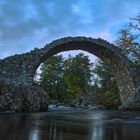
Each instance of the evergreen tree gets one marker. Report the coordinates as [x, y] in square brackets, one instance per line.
[65, 79]
[52, 79]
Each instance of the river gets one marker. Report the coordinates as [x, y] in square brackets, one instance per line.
[70, 125]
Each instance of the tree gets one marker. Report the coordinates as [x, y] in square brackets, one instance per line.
[104, 82]
[78, 74]
[129, 40]
[52, 79]
[106, 86]
[64, 79]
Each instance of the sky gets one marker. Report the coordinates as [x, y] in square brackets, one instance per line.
[26, 24]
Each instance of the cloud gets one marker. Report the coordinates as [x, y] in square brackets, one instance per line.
[27, 24]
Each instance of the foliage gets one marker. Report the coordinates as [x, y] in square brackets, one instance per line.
[52, 79]
[66, 79]
[129, 40]
[78, 74]
[106, 86]
[104, 83]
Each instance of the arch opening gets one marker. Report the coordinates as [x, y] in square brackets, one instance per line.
[97, 95]
[110, 54]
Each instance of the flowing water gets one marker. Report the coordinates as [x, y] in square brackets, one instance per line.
[70, 125]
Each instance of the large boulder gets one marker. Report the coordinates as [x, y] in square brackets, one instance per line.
[11, 98]
[27, 99]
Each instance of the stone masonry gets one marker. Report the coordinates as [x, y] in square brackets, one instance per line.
[18, 71]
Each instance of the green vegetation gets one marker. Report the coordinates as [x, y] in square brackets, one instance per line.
[77, 74]
[52, 79]
[106, 86]
[66, 79]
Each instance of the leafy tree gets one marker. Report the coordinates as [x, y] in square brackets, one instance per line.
[129, 40]
[64, 79]
[106, 86]
[104, 76]
[52, 78]
[78, 74]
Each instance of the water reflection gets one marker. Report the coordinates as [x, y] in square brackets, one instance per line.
[95, 125]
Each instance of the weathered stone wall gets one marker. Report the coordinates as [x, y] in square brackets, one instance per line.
[19, 70]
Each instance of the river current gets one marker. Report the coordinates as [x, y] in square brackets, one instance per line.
[70, 125]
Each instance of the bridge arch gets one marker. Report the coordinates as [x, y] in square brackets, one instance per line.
[107, 52]
[23, 67]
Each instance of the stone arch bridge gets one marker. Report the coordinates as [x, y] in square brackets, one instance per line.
[16, 73]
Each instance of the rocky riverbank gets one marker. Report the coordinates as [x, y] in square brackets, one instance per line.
[87, 102]
[34, 99]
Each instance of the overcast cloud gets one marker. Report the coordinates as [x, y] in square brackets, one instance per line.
[25, 24]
